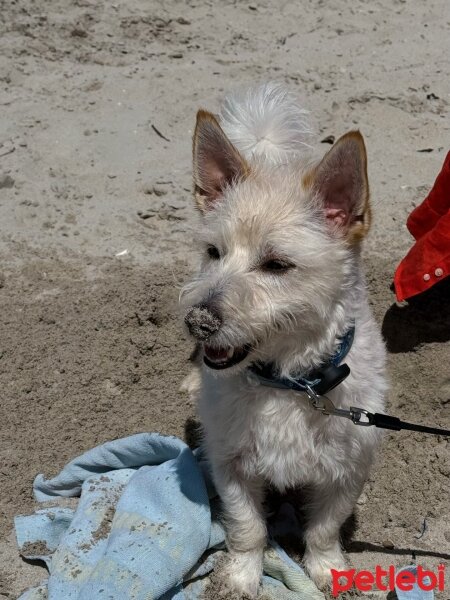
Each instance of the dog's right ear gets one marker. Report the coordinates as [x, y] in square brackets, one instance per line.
[217, 163]
[340, 183]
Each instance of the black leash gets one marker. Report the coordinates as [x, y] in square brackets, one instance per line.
[394, 423]
[321, 381]
[318, 382]
[365, 418]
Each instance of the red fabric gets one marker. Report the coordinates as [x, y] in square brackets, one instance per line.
[428, 261]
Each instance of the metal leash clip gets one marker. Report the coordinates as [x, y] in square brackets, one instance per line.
[359, 416]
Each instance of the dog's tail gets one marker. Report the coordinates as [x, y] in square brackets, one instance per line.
[266, 122]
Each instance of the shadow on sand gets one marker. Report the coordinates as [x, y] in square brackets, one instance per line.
[425, 319]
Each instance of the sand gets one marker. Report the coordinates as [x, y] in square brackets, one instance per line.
[98, 102]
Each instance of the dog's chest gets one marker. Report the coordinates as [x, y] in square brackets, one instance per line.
[274, 434]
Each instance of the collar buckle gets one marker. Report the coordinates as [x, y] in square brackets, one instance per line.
[327, 378]
[320, 380]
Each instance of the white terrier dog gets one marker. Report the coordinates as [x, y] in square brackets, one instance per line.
[279, 287]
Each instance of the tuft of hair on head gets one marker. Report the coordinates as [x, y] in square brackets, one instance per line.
[266, 122]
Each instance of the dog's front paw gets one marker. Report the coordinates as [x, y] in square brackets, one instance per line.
[242, 572]
[319, 564]
[192, 383]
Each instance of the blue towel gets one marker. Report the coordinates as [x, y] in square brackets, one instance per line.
[145, 527]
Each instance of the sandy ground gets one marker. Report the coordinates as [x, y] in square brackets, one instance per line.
[96, 225]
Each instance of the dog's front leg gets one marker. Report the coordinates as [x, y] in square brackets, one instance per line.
[328, 509]
[245, 527]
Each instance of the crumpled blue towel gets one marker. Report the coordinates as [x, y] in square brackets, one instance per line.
[145, 528]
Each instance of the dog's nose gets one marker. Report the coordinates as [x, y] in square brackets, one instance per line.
[202, 322]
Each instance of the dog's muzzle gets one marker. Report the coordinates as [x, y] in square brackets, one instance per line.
[202, 322]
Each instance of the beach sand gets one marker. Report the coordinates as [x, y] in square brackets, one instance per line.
[98, 105]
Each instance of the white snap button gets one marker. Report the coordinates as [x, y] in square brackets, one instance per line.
[427, 277]
[439, 272]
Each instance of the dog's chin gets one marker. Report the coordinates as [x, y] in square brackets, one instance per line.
[222, 358]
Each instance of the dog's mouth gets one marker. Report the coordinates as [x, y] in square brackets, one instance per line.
[224, 358]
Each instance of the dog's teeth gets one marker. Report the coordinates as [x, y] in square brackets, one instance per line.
[230, 352]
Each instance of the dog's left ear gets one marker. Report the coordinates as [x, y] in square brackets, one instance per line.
[340, 181]
[217, 163]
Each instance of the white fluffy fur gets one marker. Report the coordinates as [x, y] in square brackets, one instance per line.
[266, 122]
[257, 435]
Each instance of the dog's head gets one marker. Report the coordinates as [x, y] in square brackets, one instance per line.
[277, 246]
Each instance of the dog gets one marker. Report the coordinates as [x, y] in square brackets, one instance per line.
[280, 285]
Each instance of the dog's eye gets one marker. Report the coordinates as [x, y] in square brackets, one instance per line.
[213, 252]
[276, 265]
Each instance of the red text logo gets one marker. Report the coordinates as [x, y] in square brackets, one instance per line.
[387, 579]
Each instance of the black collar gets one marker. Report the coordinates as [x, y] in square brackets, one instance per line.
[320, 380]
